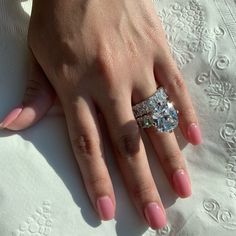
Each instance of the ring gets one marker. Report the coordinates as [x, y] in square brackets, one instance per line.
[156, 111]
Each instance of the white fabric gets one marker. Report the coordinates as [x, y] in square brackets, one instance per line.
[41, 192]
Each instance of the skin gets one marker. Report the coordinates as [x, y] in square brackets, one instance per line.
[88, 53]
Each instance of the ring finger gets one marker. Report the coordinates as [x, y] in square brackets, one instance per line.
[172, 161]
[167, 149]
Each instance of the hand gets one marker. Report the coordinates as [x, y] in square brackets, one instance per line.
[103, 57]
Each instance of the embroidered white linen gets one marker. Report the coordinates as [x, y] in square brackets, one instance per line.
[41, 192]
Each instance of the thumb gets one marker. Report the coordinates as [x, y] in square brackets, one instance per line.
[38, 99]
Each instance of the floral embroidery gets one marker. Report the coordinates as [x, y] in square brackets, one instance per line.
[221, 94]
[223, 217]
[161, 232]
[187, 35]
[39, 224]
[220, 91]
[228, 134]
[186, 31]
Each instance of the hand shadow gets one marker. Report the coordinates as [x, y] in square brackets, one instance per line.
[13, 68]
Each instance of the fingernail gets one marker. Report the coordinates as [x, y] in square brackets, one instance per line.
[11, 117]
[194, 134]
[155, 215]
[105, 208]
[182, 183]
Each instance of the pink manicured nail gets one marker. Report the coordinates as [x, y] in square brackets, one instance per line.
[182, 183]
[11, 117]
[105, 208]
[194, 134]
[155, 215]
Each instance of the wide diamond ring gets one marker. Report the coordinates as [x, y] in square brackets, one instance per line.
[156, 111]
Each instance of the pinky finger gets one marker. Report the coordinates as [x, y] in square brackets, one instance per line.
[168, 75]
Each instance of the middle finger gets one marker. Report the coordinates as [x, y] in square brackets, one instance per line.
[131, 155]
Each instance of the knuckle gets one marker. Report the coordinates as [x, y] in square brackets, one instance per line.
[187, 114]
[83, 145]
[141, 191]
[172, 159]
[152, 35]
[34, 88]
[132, 49]
[97, 182]
[177, 83]
[30, 94]
[104, 60]
[63, 70]
[71, 55]
[129, 144]
[106, 63]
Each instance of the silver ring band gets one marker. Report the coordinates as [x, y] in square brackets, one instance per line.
[156, 111]
[149, 104]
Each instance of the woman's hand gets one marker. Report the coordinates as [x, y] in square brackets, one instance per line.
[103, 56]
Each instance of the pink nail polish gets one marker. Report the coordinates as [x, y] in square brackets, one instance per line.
[182, 183]
[11, 117]
[194, 134]
[155, 215]
[105, 208]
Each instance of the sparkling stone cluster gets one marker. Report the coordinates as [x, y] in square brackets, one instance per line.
[156, 111]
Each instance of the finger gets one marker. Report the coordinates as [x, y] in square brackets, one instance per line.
[172, 161]
[131, 155]
[168, 76]
[166, 147]
[87, 144]
[38, 98]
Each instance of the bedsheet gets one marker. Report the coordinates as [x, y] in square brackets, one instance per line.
[41, 191]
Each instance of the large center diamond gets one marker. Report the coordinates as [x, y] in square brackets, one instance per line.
[166, 120]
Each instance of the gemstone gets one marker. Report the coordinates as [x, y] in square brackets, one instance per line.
[147, 121]
[167, 120]
[156, 111]
[161, 95]
[151, 105]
